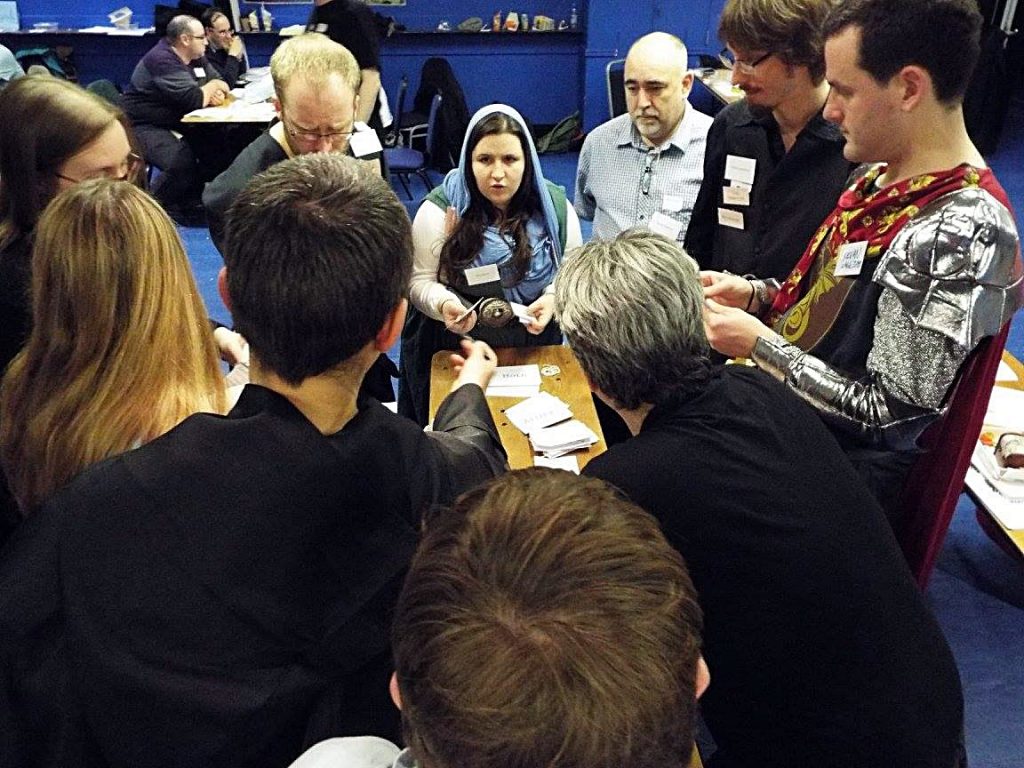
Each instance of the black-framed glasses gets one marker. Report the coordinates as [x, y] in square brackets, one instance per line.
[125, 171]
[729, 60]
[311, 137]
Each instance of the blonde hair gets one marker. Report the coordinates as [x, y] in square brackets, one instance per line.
[120, 349]
[314, 57]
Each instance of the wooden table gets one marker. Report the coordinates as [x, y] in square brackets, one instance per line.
[569, 384]
[985, 497]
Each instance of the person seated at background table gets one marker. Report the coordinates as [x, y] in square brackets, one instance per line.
[495, 228]
[918, 262]
[644, 168]
[758, 218]
[225, 51]
[823, 650]
[172, 79]
[223, 593]
[317, 96]
[545, 621]
[120, 350]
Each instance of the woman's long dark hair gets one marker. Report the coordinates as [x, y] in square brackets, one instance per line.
[467, 240]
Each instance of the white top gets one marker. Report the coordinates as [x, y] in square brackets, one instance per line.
[428, 236]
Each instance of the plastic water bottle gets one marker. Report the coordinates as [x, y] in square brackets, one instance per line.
[574, 19]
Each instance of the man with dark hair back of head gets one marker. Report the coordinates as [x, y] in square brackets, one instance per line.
[761, 222]
[916, 265]
[172, 79]
[823, 651]
[545, 621]
[264, 550]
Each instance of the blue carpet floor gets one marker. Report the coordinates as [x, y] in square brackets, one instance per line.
[977, 591]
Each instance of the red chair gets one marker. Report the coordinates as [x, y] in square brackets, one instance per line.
[936, 480]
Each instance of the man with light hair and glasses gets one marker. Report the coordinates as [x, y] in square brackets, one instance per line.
[822, 649]
[774, 167]
[317, 85]
[644, 168]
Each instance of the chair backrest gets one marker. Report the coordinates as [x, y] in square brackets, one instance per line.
[615, 77]
[403, 87]
[936, 480]
[435, 106]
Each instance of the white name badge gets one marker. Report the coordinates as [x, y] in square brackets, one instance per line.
[485, 274]
[729, 218]
[321, 28]
[363, 143]
[666, 226]
[851, 259]
[672, 203]
[199, 72]
[738, 195]
[740, 168]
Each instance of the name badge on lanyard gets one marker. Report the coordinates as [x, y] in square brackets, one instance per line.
[851, 259]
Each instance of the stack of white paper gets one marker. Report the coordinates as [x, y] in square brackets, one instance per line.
[514, 381]
[562, 438]
[537, 412]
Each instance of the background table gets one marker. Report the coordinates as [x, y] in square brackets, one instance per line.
[985, 496]
[569, 384]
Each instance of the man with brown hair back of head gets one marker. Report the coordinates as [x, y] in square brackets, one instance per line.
[545, 621]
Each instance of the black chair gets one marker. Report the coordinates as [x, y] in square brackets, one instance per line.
[405, 161]
[615, 77]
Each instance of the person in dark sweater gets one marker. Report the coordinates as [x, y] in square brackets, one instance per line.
[822, 650]
[225, 51]
[172, 79]
[264, 549]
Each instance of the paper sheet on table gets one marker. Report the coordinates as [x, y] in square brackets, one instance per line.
[515, 375]
[1005, 372]
[237, 110]
[563, 438]
[1006, 408]
[537, 412]
[516, 392]
[568, 463]
[1009, 513]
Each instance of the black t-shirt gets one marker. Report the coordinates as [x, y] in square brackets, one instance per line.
[791, 195]
[352, 25]
[821, 649]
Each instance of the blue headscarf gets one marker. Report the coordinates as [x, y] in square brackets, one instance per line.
[457, 191]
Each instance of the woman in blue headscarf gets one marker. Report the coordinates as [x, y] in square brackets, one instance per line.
[487, 245]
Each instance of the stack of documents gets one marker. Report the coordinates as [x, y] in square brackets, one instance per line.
[515, 381]
[562, 438]
[541, 410]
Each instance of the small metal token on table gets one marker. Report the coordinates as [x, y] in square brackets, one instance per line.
[550, 370]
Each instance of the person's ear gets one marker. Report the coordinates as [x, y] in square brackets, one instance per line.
[703, 677]
[391, 329]
[913, 84]
[277, 104]
[222, 288]
[396, 695]
[687, 83]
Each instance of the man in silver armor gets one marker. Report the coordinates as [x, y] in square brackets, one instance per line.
[919, 261]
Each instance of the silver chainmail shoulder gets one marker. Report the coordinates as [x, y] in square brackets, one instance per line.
[951, 277]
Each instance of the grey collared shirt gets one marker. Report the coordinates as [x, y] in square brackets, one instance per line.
[623, 183]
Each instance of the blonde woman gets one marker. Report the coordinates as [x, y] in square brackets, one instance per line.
[120, 350]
